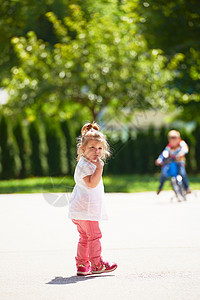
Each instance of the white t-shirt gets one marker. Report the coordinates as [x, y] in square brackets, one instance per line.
[87, 203]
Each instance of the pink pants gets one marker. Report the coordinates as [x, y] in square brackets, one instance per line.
[89, 246]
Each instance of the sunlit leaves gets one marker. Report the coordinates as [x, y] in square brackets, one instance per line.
[99, 60]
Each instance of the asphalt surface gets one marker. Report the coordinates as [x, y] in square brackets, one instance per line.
[155, 242]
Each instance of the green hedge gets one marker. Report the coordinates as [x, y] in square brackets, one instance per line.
[48, 147]
[24, 145]
[10, 159]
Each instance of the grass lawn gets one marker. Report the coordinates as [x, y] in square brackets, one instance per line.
[114, 183]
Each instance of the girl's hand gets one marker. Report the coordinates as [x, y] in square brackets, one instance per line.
[93, 180]
[98, 163]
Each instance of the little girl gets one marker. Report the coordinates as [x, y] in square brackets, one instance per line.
[87, 207]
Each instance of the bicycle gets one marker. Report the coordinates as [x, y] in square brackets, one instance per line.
[176, 178]
[177, 182]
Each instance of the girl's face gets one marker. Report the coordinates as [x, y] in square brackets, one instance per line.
[93, 150]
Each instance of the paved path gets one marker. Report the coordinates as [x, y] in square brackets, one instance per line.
[155, 242]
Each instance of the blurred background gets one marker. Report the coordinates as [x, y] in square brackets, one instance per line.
[132, 66]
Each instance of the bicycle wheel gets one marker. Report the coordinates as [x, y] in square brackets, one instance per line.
[175, 187]
[182, 191]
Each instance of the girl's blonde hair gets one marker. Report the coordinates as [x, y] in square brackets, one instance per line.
[90, 131]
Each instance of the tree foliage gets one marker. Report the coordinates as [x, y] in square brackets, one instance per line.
[18, 17]
[92, 59]
[100, 60]
[173, 26]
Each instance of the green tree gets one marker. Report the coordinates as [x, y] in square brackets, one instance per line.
[173, 27]
[100, 61]
[19, 17]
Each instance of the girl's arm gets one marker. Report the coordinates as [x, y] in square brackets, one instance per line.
[93, 180]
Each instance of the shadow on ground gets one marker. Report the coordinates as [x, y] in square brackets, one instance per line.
[74, 279]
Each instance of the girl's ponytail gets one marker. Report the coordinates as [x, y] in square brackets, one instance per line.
[89, 126]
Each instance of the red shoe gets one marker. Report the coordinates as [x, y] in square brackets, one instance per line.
[83, 270]
[109, 267]
[98, 270]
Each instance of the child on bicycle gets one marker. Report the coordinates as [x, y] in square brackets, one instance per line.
[176, 149]
[87, 207]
